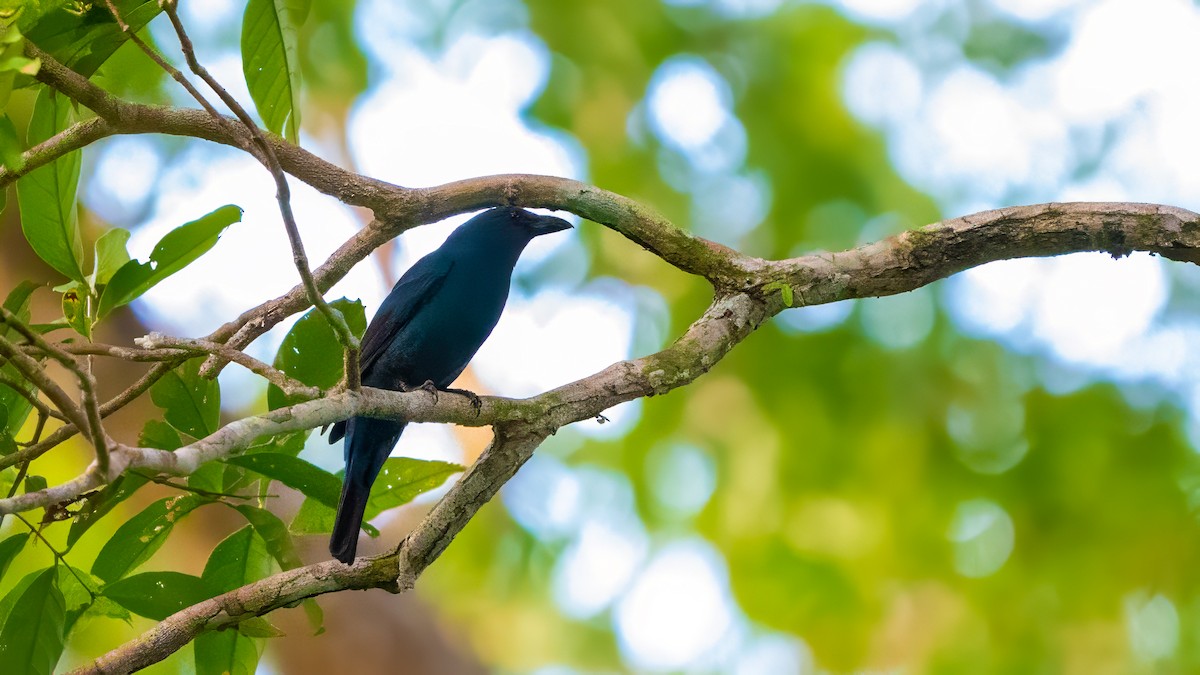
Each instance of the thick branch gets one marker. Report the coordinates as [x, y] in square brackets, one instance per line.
[395, 572]
[917, 257]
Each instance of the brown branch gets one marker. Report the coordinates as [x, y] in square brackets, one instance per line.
[283, 196]
[172, 71]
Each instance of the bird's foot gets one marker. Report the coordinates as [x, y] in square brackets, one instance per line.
[430, 387]
[476, 402]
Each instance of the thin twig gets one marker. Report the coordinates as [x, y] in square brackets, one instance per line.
[43, 415]
[136, 354]
[282, 195]
[289, 385]
[188, 488]
[37, 532]
[111, 406]
[157, 347]
[37, 403]
[31, 370]
[87, 386]
[173, 72]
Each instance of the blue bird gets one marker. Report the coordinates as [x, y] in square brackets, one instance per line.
[424, 334]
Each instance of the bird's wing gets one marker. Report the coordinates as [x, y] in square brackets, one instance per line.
[420, 283]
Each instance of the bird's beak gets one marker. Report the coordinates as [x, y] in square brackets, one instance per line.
[548, 224]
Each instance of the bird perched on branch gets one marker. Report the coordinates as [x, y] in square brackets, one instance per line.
[427, 329]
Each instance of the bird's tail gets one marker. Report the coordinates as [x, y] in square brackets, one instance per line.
[368, 444]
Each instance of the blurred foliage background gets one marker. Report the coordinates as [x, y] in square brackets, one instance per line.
[940, 482]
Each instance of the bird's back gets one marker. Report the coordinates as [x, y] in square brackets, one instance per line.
[462, 289]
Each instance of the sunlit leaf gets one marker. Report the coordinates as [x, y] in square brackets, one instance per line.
[47, 194]
[295, 473]
[190, 403]
[9, 548]
[140, 536]
[75, 307]
[111, 255]
[270, 63]
[80, 595]
[10, 145]
[34, 633]
[17, 407]
[311, 353]
[157, 595]
[176, 250]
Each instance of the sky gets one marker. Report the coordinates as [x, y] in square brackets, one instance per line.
[1123, 88]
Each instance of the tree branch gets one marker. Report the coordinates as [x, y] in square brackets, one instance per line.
[283, 196]
[747, 292]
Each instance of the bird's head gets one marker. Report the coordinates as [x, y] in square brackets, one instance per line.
[504, 228]
[534, 223]
[512, 223]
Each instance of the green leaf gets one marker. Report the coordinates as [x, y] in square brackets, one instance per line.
[209, 477]
[100, 503]
[226, 652]
[10, 599]
[190, 403]
[10, 145]
[311, 353]
[178, 249]
[35, 483]
[84, 40]
[157, 595]
[274, 534]
[258, 627]
[12, 55]
[785, 292]
[111, 255]
[9, 548]
[34, 633]
[159, 434]
[241, 558]
[47, 194]
[79, 599]
[15, 404]
[75, 307]
[401, 480]
[295, 473]
[270, 63]
[281, 547]
[142, 535]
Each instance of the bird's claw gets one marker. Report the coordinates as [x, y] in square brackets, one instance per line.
[430, 387]
[476, 402]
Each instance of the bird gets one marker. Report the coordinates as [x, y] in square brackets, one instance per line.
[425, 332]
